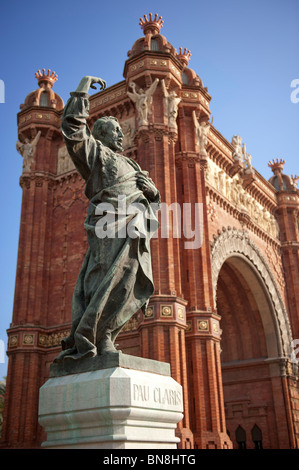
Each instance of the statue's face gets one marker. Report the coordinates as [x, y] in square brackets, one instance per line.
[114, 136]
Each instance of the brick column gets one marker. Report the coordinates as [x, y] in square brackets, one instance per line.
[286, 215]
[30, 312]
[206, 401]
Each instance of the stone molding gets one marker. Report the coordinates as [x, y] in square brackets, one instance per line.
[232, 242]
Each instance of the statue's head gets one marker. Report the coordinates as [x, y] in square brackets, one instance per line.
[107, 129]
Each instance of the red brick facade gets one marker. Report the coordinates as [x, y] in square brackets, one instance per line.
[223, 315]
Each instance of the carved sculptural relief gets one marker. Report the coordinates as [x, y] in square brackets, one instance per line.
[233, 190]
[64, 162]
[27, 150]
[143, 101]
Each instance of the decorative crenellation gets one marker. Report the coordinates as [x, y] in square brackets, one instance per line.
[152, 24]
[48, 77]
[184, 56]
[276, 164]
[295, 180]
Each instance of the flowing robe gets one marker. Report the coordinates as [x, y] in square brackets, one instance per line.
[115, 280]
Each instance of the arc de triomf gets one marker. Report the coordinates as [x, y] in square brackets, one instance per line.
[225, 310]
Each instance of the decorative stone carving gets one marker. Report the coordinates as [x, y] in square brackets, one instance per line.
[221, 177]
[233, 190]
[247, 161]
[64, 162]
[211, 210]
[232, 242]
[237, 144]
[143, 101]
[128, 128]
[201, 131]
[132, 324]
[171, 100]
[27, 150]
[52, 339]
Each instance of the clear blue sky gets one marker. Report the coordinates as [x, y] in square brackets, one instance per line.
[245, 51]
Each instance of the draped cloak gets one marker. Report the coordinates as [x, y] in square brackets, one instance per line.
[115, 280]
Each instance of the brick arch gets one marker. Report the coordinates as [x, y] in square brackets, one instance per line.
[233, 243]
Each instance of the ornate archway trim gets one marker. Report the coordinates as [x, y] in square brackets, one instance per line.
[232, 242]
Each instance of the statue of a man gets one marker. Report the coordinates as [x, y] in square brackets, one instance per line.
[27, 150]
[172, 101]
[201, 131]
[115, 280]
[143, 100]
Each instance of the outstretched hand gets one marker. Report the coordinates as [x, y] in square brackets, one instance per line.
[89, 82]
[101, 82]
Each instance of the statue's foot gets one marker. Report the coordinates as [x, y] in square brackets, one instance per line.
[64, 353]
[106, 346]
[77, 356]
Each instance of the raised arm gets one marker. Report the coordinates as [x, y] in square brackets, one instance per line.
[36, 139]
[80, 143]
[151, 90]
[165, 92]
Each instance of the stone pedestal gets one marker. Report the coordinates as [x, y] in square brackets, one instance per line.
[123, 402]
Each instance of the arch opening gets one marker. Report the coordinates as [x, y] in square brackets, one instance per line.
[250, 344]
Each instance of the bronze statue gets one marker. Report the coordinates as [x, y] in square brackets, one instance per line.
[115, 280]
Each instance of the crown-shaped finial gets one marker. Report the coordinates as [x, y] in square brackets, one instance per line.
[184, 56]
[276, 165]
[295, 180]
[46, 77]
[152, 25]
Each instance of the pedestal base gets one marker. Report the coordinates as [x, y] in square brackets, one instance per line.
[112, 408]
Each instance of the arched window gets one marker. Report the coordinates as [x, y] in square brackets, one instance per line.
[257, 437]
[44, 99]
[241, 437]
[185, 78]
[154, 45]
